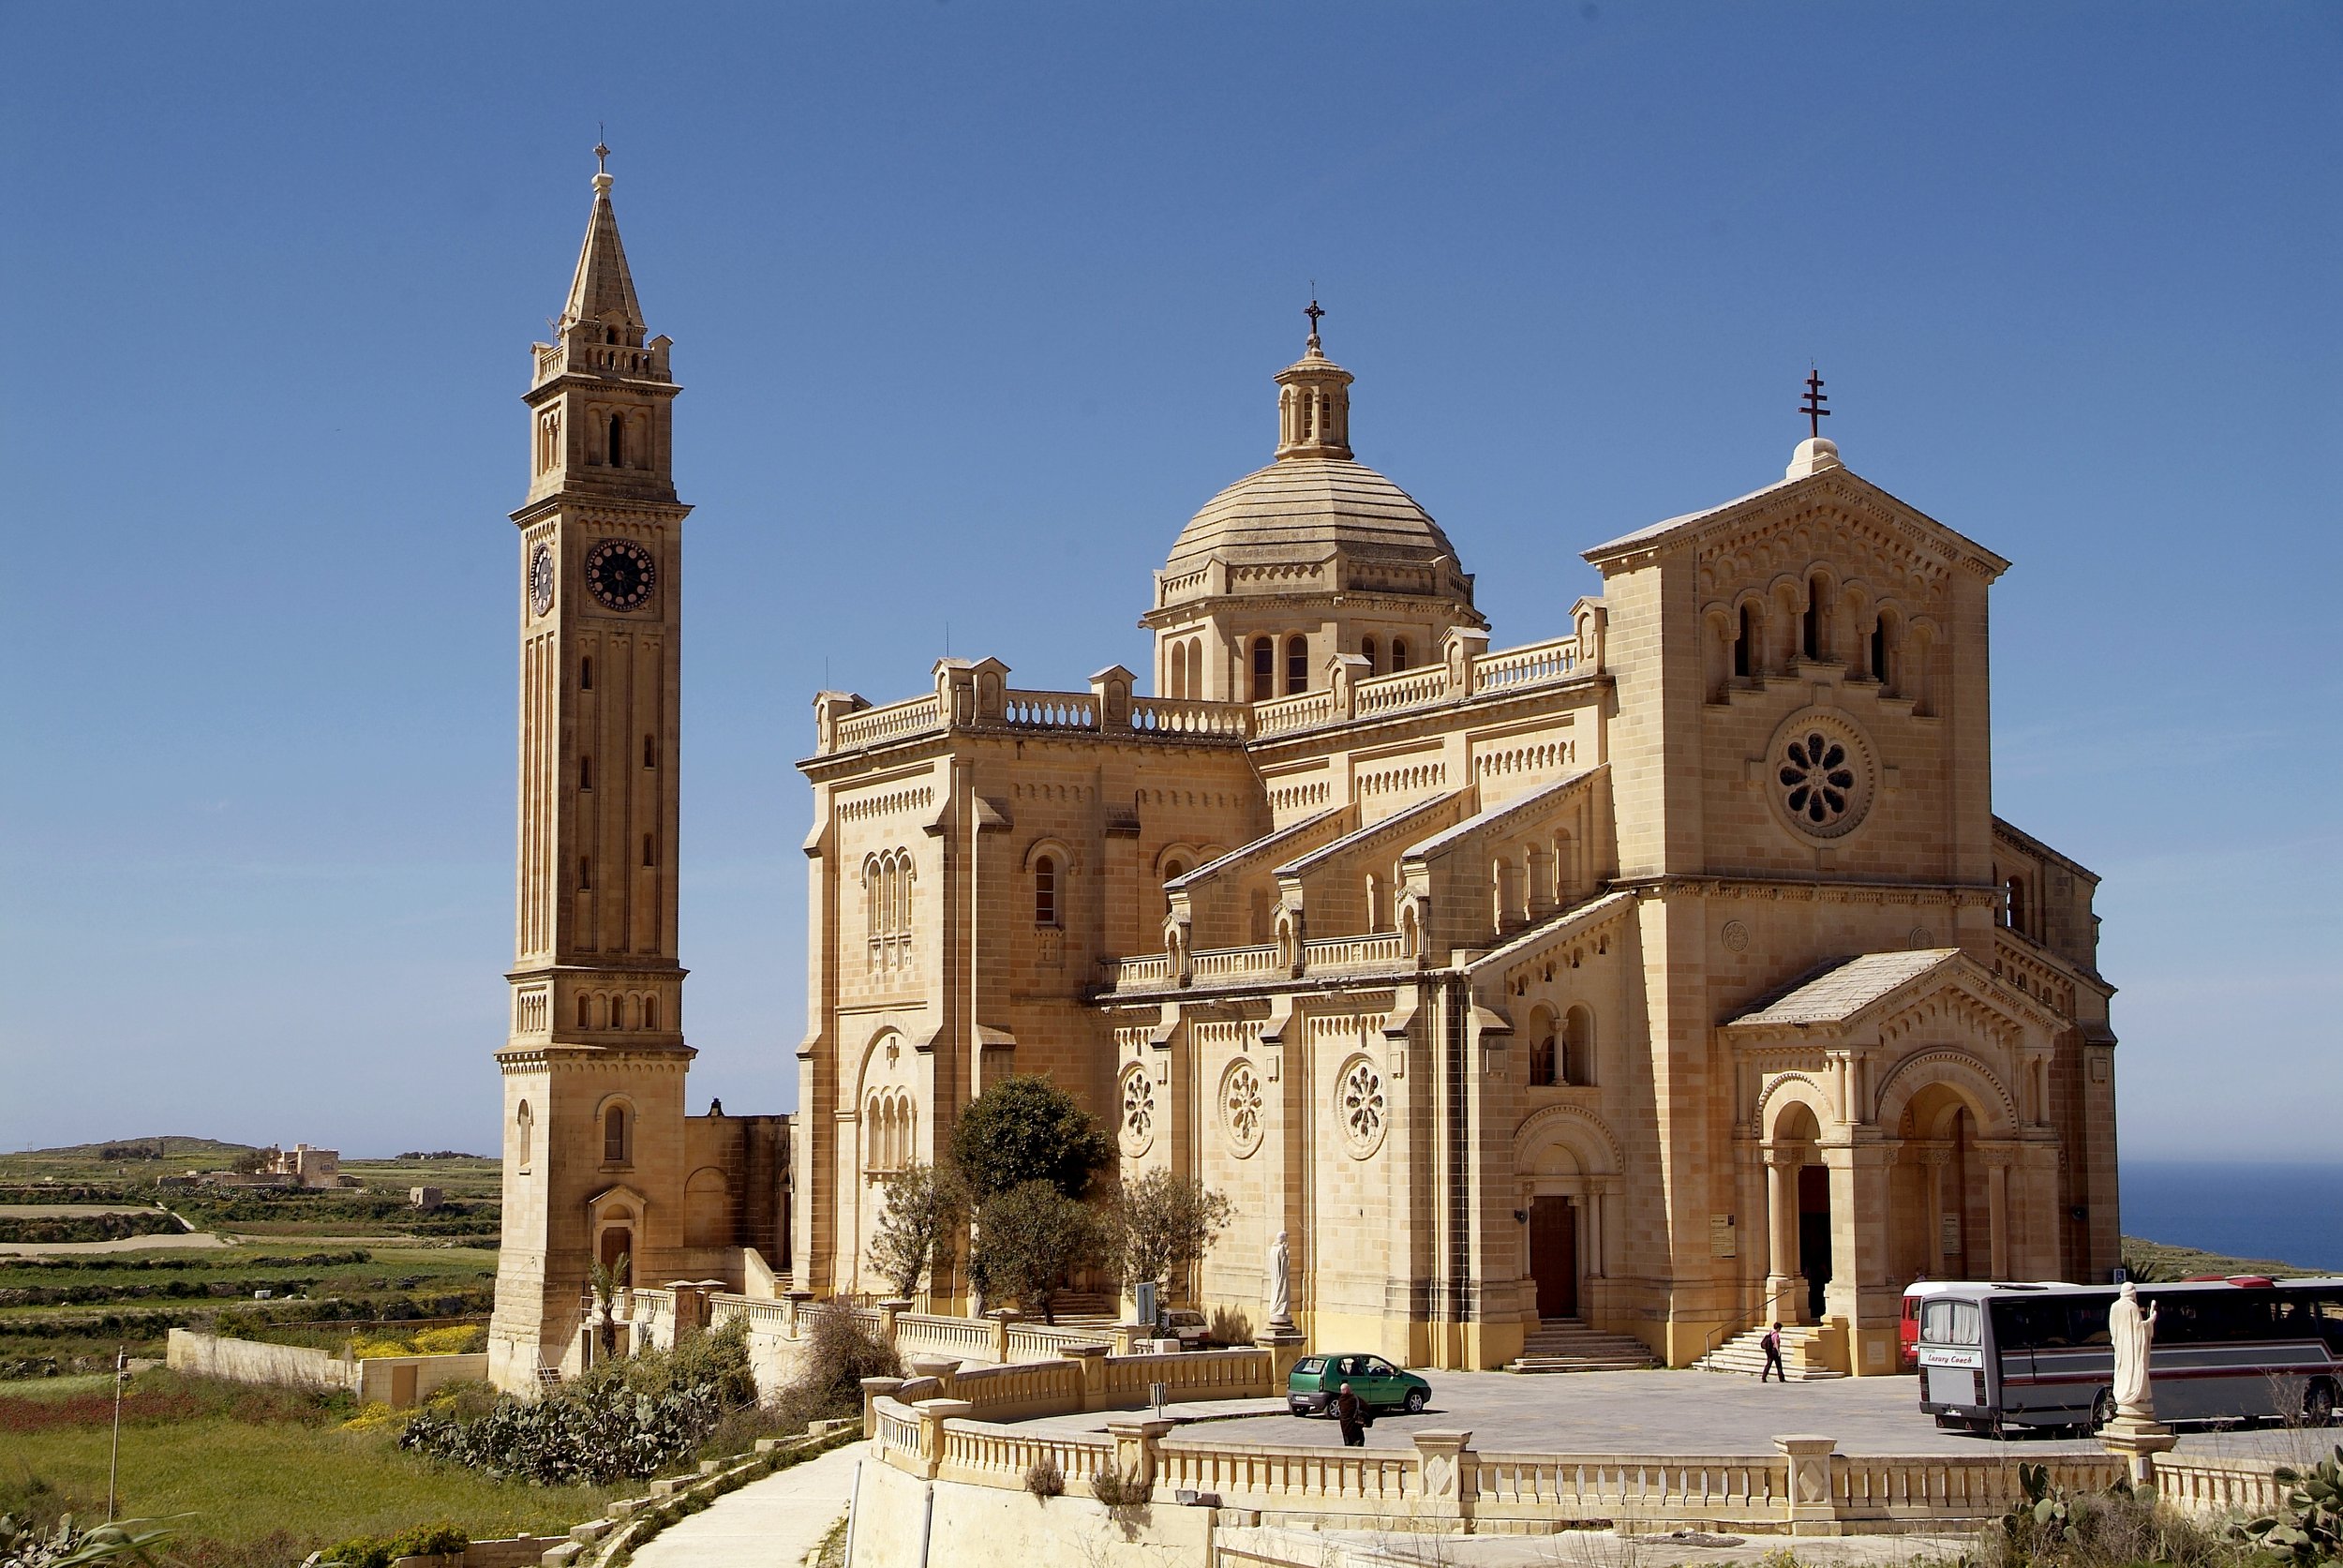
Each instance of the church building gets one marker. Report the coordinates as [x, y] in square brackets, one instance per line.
[1659, 976]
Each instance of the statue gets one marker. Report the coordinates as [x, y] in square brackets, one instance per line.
[1280, 1284]
[2131, 1334]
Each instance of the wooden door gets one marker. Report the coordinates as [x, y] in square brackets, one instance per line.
[403, 1387]
[1554, 1255]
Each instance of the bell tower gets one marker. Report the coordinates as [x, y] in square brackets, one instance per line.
[594, 1067]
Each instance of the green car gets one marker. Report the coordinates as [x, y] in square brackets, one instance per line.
[1311, 1387]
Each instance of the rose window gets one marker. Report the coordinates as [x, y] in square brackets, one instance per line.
[1138, 1112]
[1241, 1108]
[1819, 775]
[1363, 1109]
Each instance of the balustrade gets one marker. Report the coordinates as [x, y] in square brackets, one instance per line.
[1052, 710]
[1353, 952]
[1531, 666]
[893, 721]
[1175, 716]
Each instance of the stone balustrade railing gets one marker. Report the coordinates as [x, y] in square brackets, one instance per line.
[961, 1430]
[1353, 952]
[925, 1334]
[1226, 963]
[2210, 1486]
[1145, 972]
[1111, 707]
[915, 716]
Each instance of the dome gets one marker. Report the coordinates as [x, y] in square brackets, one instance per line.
[1300, 512]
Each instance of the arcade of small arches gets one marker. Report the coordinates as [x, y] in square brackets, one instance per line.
[1814, 618]
[618, 1009]
[889, 1132]
[1266, 659]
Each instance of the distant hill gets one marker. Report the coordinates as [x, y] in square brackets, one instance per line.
[164, 1147]
[2154, 1260]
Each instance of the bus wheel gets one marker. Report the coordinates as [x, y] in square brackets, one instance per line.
[2102, 1408]
[2319, 1404]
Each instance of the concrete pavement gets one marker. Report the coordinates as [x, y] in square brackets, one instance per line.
[772, 1523]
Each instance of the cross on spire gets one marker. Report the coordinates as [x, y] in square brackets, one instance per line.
[1313, 312]
[1812, 407]
[601, 154]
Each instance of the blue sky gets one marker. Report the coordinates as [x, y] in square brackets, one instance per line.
[974, 304]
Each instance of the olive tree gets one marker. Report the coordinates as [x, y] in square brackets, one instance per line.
[914, 1236]
[1160, 1225]
[1028, 1240]
[1027, 1129]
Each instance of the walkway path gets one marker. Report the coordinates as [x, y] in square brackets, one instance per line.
[772, 1523]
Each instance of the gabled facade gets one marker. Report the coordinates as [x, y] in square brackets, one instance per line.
[1499, 983]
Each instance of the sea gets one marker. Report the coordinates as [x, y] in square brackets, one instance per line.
[2277, 1213]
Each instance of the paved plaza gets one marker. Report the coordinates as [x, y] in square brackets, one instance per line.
[1638, 1413]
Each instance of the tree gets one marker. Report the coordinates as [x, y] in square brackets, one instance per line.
[1027, 1129]
[1028, 1240]
[914, 1234]
[1160, 1224]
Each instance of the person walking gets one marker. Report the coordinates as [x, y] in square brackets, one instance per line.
[1347, 1410]
[1771, 1344]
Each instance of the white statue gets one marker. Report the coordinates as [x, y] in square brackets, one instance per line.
[2131, 1334]
[1280, 1284]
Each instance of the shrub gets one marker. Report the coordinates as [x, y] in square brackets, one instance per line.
[1114, 1490]
[381, 1551]
[839, 1353]
[2309, 1529]
[580, 1437]
[1159, 1225]
[1044, 1479]
[913, 1235]
[2051, 1528]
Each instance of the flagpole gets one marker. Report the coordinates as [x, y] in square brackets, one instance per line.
[113, 1464]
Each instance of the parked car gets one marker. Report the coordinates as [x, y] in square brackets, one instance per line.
[1311, 1386]
[1188, 1328]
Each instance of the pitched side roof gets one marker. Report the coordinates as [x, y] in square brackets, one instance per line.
[1691, 524]
[1846, 987]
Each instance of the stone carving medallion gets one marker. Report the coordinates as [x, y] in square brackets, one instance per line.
[1242, 1104]
[1735, 936]
[1139, 1110]
[1362, 1106]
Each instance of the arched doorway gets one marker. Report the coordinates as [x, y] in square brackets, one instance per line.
[1566, 1161]
[1800, 1222]
[1553, 1254]
[1941, 1220]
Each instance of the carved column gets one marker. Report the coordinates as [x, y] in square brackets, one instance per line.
[1932, 1163]
[1997, 1208]
[1782, 1167]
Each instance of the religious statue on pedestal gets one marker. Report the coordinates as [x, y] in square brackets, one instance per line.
[2131, 1333]
[1280, 1284]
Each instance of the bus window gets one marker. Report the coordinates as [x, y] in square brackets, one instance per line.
[1948, 1323]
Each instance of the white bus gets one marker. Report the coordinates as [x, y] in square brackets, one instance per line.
[2241, 1349]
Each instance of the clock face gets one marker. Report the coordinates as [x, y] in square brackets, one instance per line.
[540, 579]
[620, 574]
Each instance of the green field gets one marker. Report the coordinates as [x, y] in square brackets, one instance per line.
[267, 1475]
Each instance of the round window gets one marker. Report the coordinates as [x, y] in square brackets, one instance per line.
[1821, 775]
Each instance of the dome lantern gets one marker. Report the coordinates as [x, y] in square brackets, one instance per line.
[1313, 403]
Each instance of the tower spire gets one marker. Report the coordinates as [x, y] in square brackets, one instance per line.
[1313, 401]
[602, 289]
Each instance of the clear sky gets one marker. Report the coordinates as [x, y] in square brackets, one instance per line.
[974, 304]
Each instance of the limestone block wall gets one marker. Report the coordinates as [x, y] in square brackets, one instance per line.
[257, 1362]
[380, 1380]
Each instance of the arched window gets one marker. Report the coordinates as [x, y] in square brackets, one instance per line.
[584, 1011]
[1809, 628]
[1045, 890]
[617, 441]
[524, 1134]
[650, 1012]
[1744, 644]
[1297, 665]
[614, 1136]
[650, 850]
[2014, 910]
[1577, 1063]
[650, 750]
[1366, 652]
[1542, 1060]
[585, 675]
[585, 772]
[585, 874]
[1398, 654]
[1884, 651]
[1264, 669]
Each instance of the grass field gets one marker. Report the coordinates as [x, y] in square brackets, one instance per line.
[2167, 1261]
[267, 1476]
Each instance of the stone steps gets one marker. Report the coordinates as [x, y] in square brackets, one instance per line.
[1806, 1354]
[1567, 1345]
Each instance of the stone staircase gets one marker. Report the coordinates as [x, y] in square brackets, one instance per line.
[1567, 1345]
[1809, 1353]
[1081, 1309]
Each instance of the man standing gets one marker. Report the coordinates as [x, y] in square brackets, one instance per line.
[1772, 1344]
[1347, 1410]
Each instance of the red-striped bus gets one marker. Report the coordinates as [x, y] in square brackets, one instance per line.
[2241, 1349]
